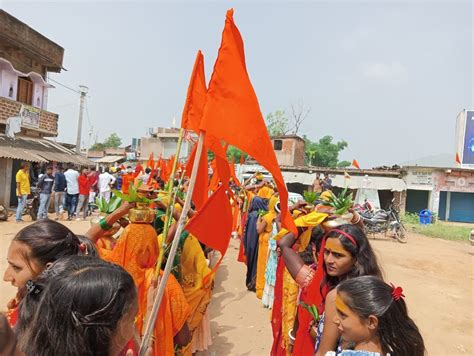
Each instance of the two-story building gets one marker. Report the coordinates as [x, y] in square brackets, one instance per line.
[162, 142]
[26, 58]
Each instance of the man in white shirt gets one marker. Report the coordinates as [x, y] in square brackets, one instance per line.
[72, 191]
[106, 180]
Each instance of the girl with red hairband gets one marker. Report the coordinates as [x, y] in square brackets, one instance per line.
[373, 317]
[345, 253]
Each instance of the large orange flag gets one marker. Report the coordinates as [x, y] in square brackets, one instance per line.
[212, 225]
[200, 192]
[196, 97]
[232, 112]
[355, 164]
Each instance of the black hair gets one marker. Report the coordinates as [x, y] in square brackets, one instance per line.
[398, 333]
[79, 309]
[147, 170]
[366, 263]
[23, 165]
[91, 249]
[48, 241]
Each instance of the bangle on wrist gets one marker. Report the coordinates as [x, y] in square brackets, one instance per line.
[292, 338]
[103, 225]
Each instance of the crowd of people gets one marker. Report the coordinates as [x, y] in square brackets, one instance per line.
[73, 189]
[93, 294]
[324, 284]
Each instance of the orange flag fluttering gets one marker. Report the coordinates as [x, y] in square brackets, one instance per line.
[355, 164]
[232, 171]
[232, 112]
[200, 193]
[213, 223]
[138, 169]
[196, 97]
[150, 163]
[458, 159]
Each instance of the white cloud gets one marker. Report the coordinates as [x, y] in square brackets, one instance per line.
[383, 71]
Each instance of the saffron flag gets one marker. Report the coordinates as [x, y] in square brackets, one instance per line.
[458, 159]
[232, 112]
[196, 97]
[232, 171]
[355, 164]
[200, 192]
[138, 169]
[150, 163]
[212, 225]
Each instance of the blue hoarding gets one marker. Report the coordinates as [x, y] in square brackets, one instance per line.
[468, 149]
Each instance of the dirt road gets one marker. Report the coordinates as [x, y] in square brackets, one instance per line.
[436, 275]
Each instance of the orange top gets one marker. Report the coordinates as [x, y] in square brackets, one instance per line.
[127, 180]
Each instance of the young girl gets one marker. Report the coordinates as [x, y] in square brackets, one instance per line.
[34, 248]
[373, 317]
[79, 306]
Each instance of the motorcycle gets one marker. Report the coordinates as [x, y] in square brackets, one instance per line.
[32, 204]
[384, 221]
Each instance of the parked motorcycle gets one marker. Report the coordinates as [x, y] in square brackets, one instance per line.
[32, 204]
[384, 221]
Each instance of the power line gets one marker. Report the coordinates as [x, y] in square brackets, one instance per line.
[65, 86]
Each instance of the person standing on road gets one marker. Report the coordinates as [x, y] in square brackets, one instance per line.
[127, 180]
[59, 191]
[72, 191]
[84, 190]
[22, 189]
[105, 181]
[45, 188]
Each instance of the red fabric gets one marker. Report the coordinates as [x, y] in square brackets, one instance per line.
[196, 97]
[200, 193]
[458, 159]
[242, 257]
[212, 225]
[84, 184]
[93, 179]
[277, 349]
[311, 295]
[138, 169]
[232, 112]
[355, 164]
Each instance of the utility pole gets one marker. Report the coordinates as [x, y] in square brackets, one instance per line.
[83, 91]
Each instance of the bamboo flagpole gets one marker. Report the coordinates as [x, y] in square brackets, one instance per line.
[174, 247]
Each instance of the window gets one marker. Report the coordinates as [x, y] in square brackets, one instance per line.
[25, 91]
[277, 145]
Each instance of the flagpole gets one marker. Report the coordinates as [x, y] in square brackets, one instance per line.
[174, 247]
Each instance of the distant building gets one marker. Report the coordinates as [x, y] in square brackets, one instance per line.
[26, 57]
[289, 150]
[162, 142]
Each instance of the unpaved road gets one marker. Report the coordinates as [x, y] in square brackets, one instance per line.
[436, 275]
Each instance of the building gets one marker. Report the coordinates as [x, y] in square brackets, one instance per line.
[26, 58]
[289, 150]
[162, 142]
[436, 184]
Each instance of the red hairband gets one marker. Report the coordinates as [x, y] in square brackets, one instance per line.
[345, 234]
[397, 293]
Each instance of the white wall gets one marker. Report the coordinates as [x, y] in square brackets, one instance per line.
[38, 91]
[8, 79]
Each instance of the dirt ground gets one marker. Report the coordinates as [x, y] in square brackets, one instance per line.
[436, 275]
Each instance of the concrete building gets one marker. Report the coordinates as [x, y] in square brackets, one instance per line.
[26, 57]
[289, 150]
[162, 142]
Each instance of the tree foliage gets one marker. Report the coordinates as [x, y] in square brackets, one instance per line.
[113, 141]
[277, 123]
[325, 153]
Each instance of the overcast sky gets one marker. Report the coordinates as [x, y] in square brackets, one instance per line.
[387, 77]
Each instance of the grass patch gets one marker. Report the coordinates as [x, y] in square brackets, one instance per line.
[441, 231]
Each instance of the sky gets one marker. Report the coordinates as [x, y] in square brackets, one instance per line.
[387, 77]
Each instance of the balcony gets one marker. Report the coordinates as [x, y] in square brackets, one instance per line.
[34, 122]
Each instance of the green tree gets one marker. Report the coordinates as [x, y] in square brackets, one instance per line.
[325, 153]
[113, 141]
[97, 147]
[277, 123]
[236, 153]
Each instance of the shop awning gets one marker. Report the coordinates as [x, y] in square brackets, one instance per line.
[354, 182]
[39, 150]
[109, 159]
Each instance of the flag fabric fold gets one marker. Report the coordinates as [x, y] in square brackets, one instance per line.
[232, 112]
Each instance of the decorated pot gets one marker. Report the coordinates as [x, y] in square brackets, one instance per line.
[340, 220]
[141, 214]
